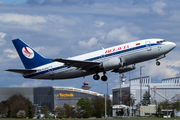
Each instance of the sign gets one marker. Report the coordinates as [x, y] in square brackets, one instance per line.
[64, 95]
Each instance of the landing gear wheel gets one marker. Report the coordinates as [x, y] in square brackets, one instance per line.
[96, 77]
[104, 78]
[158, 63]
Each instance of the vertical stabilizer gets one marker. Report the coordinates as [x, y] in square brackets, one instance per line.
[29, 57]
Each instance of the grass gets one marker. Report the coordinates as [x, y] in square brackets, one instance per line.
[154, 118]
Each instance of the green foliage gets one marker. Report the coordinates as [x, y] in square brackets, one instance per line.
[68, 110]
[160, 106]
[146, 99]
[60, 112]
[9, 112]
[79, 112]
[85, 104]
[30, 112]
[3, 108]
[98, 106]
[15, 103]
[176, 105]
[45, 110]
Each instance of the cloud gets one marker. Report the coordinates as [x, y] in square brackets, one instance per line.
[11, 53]
[20, 19]
[169, 67]
[99, 23]
[33, 2]
[93, 41]
[158, 7]
[36, 83]
[163, 71]
[59, 2]
[120, 35]
[2, 40]
[48, 51]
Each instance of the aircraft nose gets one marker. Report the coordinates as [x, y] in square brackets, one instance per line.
[173, 45]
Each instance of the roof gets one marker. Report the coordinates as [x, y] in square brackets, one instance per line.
[120, 106]
[77, 90]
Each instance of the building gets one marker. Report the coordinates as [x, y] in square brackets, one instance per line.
[168, 89]
[148, 110]
[49, 96]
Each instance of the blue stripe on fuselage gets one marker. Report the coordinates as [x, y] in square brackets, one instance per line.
[92, 59]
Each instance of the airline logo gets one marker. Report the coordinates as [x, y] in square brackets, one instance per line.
[117, 49]
[28, 52]
[137, 44]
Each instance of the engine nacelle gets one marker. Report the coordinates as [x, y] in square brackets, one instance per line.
[125, 68]
[113, 63]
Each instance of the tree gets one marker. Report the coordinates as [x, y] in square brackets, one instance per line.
[79, 112]
[3, 107]
[9, 112]
[85, 104]
[68, 110]
[45, 110]
[146, 99]
[59, 112]
[16, 103]
[176, 103]
[162, 105]
[98, 105]
[132, 100]
[30, 112]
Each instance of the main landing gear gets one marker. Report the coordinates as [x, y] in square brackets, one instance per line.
[103, 78]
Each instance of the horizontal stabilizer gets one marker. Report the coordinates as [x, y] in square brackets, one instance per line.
[22, 71]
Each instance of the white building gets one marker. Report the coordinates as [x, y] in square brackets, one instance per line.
[167, 90]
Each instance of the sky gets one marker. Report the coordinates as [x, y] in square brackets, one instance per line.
[66, 28]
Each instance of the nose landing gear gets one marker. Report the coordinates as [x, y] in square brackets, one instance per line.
[158, 63]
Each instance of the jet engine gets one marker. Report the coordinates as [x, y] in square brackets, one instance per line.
[113, 63]
[125, 68]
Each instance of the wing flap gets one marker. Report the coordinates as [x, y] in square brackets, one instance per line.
[85, 65]
[22, 71]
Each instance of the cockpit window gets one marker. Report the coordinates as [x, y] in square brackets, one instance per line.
[161, 41]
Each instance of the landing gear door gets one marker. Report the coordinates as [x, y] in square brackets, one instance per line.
[148, 45]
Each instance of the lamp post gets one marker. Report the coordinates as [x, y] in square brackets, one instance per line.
[105, 101]
[120, 89]
[122, 79]
[141, 84]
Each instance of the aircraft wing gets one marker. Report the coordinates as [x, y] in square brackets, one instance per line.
[22, 71]
[85, 65]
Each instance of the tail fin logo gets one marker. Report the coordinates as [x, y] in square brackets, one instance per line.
[28, 52]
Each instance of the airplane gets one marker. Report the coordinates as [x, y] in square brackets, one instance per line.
[118, 59]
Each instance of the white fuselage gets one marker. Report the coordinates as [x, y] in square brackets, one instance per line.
[130, 53]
